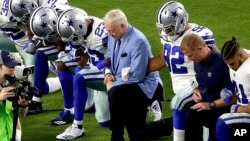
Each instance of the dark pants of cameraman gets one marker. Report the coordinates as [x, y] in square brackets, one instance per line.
[128, 108]
[196, 120]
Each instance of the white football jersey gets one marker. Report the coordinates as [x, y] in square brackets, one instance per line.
[241, 80]
[180, 67]
[96, 42]
[15, 32]
[59, 5]
[5, 13]
[52, 3]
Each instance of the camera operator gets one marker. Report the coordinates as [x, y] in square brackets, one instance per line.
[7, 67]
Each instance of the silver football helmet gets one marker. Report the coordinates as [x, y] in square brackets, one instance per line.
[171, 20]
[71, 25]
[43, 22]
[21, 9]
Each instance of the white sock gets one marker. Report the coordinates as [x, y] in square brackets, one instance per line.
[54, 84]
[18, 135]
[78, 122]
[205, 133]
[178, 135]
[71, 110]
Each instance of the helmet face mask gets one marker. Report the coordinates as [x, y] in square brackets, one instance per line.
[72, 26]
[51, 37]
[171, 20]
[73, 38]
[169, 30]
[43, 22]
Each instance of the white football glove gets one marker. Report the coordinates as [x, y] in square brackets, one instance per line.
[226, 95]
[234, 108]
[30, 47]
[67, 57]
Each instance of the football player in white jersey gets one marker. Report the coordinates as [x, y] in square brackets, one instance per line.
[42, 25]
[14, 27]
[15, 17]
[238, 60]
[172, 21]
[86, 35]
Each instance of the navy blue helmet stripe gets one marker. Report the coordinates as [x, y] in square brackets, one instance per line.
[210, 42]
[207, 37]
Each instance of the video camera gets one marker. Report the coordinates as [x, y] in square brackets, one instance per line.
[22, 72]
[23, 88]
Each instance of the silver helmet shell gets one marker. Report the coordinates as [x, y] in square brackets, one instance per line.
[171, 20]
[21, 9]
[71, 24]
[43, 22]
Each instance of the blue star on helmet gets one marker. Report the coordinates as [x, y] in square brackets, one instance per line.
[174, 14]
[22, 5]
[44, 24]
[70, 22]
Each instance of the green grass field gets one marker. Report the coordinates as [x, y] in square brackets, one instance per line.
[225, 18]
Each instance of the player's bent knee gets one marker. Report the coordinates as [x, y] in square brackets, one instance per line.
[181, 102]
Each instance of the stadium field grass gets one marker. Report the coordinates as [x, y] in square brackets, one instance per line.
[225, 18]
